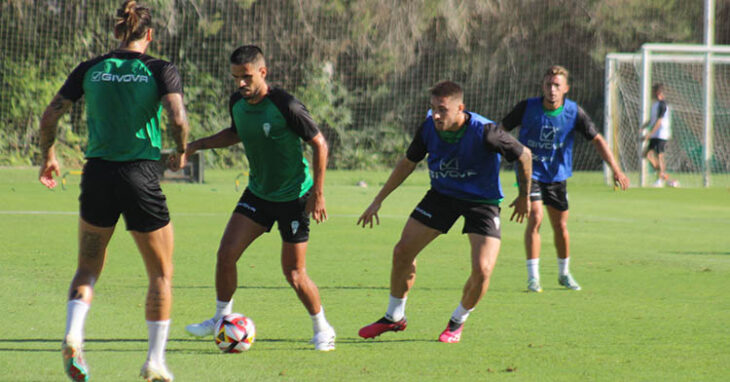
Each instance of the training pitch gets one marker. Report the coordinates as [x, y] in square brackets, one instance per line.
[654, 265]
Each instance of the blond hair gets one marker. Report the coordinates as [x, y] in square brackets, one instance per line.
[557, 70]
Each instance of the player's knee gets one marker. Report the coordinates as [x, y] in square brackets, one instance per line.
[481, 275]
[161, 280]
[227, 256]
[534, 222]
[295, 276]
[401, 257]
[562, 226]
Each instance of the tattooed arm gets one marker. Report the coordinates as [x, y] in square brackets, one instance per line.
[49, 121]
[178, 125]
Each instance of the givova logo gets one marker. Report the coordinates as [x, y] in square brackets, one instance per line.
[109, 77]
[449, 168]
[548, 139]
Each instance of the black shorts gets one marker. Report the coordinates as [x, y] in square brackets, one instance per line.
[131, 189]
[552, 194]
[657, 145]
[440, 212]
[291, 216]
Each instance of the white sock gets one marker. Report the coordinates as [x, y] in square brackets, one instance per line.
[76, 311]
[563, 265]
[222, 308]
[533, 269]
[396, 308]
[157, 339]
[460, 314]
[319, 321]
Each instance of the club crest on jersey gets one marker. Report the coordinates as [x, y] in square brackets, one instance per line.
[449, 168]
[267, 128]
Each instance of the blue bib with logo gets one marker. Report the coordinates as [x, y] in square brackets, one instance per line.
[465, 169]
[550, 138]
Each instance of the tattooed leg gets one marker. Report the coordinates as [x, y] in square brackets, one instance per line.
[92, 254]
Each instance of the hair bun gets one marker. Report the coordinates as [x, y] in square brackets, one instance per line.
[127, 8]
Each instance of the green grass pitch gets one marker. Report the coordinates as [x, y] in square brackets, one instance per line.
[654, 265]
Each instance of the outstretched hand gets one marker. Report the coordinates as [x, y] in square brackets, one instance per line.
[370, 213]
[521, 206]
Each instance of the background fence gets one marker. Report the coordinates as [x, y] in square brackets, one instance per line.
[363, 67]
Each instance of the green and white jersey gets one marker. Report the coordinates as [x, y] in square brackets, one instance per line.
[122, 95]
[272, 132]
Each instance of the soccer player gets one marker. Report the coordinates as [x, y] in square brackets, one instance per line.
[661, 131]
[271, 123]
[464, 151]
[124, 90]
[548, 127]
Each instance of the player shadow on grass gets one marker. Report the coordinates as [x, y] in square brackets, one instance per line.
[705, 253]
[52, 345]
[340, 287]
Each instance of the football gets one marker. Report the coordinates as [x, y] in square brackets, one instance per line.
[234, 333]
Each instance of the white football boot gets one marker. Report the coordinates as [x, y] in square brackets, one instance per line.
[203, 329]
[324, 340]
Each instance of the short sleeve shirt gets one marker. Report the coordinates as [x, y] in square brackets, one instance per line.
[123, 91]
[272, 132]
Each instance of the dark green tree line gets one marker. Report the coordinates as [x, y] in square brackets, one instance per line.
[362, 67]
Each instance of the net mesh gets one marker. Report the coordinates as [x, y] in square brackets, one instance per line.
[684, 94]
[362, 67]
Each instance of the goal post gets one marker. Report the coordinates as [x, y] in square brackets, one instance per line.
[697, 89]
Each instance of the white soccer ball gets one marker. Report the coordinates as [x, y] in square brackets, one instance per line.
[673, 183]
[234, 333]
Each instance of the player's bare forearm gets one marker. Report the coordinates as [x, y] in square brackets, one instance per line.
[49, 122]
[602, 147]
[319, 161]
[402, 170]
[524, 171]
[178, 119]
[656, 126]
[316, 203]
[521, 204]
[224, 138]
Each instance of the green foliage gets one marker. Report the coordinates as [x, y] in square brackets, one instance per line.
[385, 53]
[22, 111]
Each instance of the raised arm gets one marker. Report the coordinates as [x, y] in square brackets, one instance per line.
[178, 124]
[524, 179]
[315, 203]
[402, 170]
[619, 177]
[49, 122]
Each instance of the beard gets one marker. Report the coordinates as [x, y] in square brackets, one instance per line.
[248, 93]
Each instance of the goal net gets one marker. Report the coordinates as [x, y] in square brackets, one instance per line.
[698, 153]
